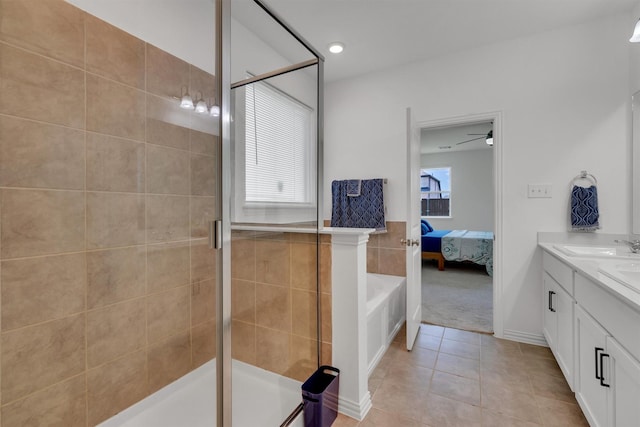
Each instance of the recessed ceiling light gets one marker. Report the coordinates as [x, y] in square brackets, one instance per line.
[336, 47]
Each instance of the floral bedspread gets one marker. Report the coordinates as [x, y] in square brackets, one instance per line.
[474, 246]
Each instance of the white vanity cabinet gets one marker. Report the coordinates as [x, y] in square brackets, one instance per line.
[558, 316]
[607, 374]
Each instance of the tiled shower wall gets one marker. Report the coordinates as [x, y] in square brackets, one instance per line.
[107, 290]
[385, 253]
[274, 300]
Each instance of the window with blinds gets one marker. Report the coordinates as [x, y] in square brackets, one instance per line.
[278, 132]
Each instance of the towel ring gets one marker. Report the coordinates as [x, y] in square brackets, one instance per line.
[587, 176]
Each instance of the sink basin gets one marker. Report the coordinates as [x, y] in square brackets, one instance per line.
[597, 251]
[626, 273]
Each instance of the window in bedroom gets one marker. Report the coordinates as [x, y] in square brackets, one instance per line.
[435, 192]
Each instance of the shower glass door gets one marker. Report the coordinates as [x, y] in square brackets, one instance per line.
[275, 244]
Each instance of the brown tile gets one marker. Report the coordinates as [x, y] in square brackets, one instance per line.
[490, 419]
[428, 341]
[273, 262]
[116, 386]
[507, 377]
[243, 300]
[303, 358]
[398, 400]
[433, 330]
[61, 405]
[326, 317]
[325, 269]
[304, 307]
[455, 387]
[115, 275]
[203, 143]
[39, 222]
[39, 155]
[558, 414]
[243, 259]
[202, 82]
[203, 301]
[374, 240]
[552, 387]
[203, 175]
[344, 421]
[161, 132]
[372, 260]
[115, 109]
[379, 418]
[168, 360]
[445, 412]
[168, 313]
[409, 376]
[203, 210]
[39, 289]
[462, 336]
[39, 88]
[114, 54]
[203, 340]
[39, 356]
[273, 307]
[326, 354]
[168, 266]
[115, 220]
[530, 350]
[203, 261]
[167, 218]
[115, 164]
[457, 348]
[396, 231]
[167, 170]
[304, 267]
[468, 368]
[166, 74]
[115, 330]
[507, 401]
[417, 357]
[273, 354]
[243, 341]
[24, 22]
[392, 261]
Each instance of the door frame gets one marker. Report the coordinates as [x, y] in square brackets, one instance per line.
[498, 191]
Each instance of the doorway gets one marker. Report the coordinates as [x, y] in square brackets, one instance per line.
[460, 202]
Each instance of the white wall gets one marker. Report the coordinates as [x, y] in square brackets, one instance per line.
[564, 99]
[471, 189]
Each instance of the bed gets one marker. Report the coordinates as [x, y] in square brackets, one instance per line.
[457, 245]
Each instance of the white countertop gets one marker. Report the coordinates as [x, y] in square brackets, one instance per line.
[588, 267]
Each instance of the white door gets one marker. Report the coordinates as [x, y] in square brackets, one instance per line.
[414, 259]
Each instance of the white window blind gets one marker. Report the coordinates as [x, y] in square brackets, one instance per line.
[278, 140]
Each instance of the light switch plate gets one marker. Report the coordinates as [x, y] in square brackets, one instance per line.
[539, 191]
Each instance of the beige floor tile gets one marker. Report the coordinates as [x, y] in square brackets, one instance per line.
[434, 330]
[530, 350]
[455, 387]
[490, 419]
[552, 387]
[445, 412]
[462, 349]
[344, 421]
[463, 336]
[379, 418]
[413, 377]
[560, 414]
[428, 341]
[417, 357]
[506, 401]
[399, 400]
[456, 365]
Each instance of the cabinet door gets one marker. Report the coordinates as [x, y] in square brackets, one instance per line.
[624, 377]
[590, 341]
[564, 306]
[550, 326]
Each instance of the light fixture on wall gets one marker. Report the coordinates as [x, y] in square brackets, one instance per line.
[200, 106]
[635, 38]
[489, 139]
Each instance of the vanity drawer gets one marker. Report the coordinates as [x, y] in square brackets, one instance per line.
[561, 272]
[618, 318]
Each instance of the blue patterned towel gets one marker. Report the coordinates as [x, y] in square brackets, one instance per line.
[353, 187]
[584, 208]
[364, 211]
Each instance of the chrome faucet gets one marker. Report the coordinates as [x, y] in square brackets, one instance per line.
[634, 245]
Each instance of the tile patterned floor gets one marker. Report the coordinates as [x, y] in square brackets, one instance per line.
[459, 378]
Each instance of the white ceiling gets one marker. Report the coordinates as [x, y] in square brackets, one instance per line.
[379, 34]
[436, 140]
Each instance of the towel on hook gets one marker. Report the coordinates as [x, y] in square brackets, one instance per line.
[353, 187]
[363, 211]
[584, 208]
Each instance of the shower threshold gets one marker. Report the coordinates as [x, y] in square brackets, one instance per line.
[260, 398]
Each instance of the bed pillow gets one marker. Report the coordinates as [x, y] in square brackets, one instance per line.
[426, 227]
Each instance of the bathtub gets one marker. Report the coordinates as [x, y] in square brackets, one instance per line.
[386, 313]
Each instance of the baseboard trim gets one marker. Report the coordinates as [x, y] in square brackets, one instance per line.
[354, 409]
[525, 337]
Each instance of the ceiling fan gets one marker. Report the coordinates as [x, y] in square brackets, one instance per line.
[487, 136]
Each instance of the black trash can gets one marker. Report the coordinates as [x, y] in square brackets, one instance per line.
[320, 397]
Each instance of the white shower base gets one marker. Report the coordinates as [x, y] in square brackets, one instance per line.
[260, 398]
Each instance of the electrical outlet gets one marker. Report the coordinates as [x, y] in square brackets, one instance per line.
[539, 190]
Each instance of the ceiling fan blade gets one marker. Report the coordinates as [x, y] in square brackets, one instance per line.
[476, 134]
[469, 140]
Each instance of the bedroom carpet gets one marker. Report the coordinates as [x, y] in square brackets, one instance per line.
[460, 297]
